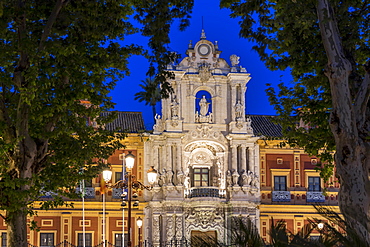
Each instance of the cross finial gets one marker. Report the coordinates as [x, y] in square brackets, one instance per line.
[203, 35]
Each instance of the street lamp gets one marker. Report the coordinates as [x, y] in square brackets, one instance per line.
[320, 226]
[139, 223]
[107, 175]
[129, 182]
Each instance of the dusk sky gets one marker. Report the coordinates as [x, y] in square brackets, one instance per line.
[219, 27]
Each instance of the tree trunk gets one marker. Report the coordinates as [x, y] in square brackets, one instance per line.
[348, 122]
[154, 112]
[352, 162]
[17, 229]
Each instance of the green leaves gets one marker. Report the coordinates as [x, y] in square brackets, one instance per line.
[288, 37]
[58, 62]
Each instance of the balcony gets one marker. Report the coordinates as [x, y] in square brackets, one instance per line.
[89, 192]
[116, 193]
[204, 192]
[315, 196]
[281, 196]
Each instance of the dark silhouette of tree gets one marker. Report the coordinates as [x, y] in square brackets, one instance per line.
[241, 232]
[151, 94]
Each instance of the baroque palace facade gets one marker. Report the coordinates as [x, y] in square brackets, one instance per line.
[213, 162]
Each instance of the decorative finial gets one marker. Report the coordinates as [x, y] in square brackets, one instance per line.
[203, 35]
[216, 45]
[190, 45]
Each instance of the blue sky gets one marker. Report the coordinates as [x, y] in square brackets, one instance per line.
[219, 27]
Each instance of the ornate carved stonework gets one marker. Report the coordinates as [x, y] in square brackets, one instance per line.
[204, 72]
[206, 145]
[156, 230]
[179, 230]
[204, 131]
[204, 217]
[169, 227]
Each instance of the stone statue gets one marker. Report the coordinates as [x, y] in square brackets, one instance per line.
[234, 59]
[169, 175]
[210, 117]
[187, 182]
[249, 125]
[162, 177]
[238, 110]
[249, 178]
[197, 117]
[180, 178]
[255, 181]
[229, 178]
[244, 178]
[204, 105]
[235, 177]
[174, 108]
[158, 126]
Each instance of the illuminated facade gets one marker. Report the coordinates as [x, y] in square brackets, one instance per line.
[290, 186]
[204, 149]
[213, 163]
[103, 220]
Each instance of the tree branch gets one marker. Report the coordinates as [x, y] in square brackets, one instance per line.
[362, 97]
[52, 18]
[338, 71]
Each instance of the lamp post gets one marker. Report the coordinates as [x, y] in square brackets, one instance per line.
[107, 175]
[129, 182]
[320, 226]
[139, 223]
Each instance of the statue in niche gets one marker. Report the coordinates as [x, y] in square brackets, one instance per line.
[204, 105]
[174, 108]
[239, 110]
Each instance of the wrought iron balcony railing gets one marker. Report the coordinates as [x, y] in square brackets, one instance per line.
[281, 196]
[204, 192]
[116, 193]
[89, 192]
[316, 196]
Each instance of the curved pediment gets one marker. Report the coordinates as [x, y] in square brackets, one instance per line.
[205, 132]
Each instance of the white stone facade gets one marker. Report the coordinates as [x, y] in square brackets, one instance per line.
[204, 149]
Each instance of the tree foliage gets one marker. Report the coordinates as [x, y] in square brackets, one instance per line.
[287, 36]
[325, 44]
[241, 231]
[151, 94]
[59, 60]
